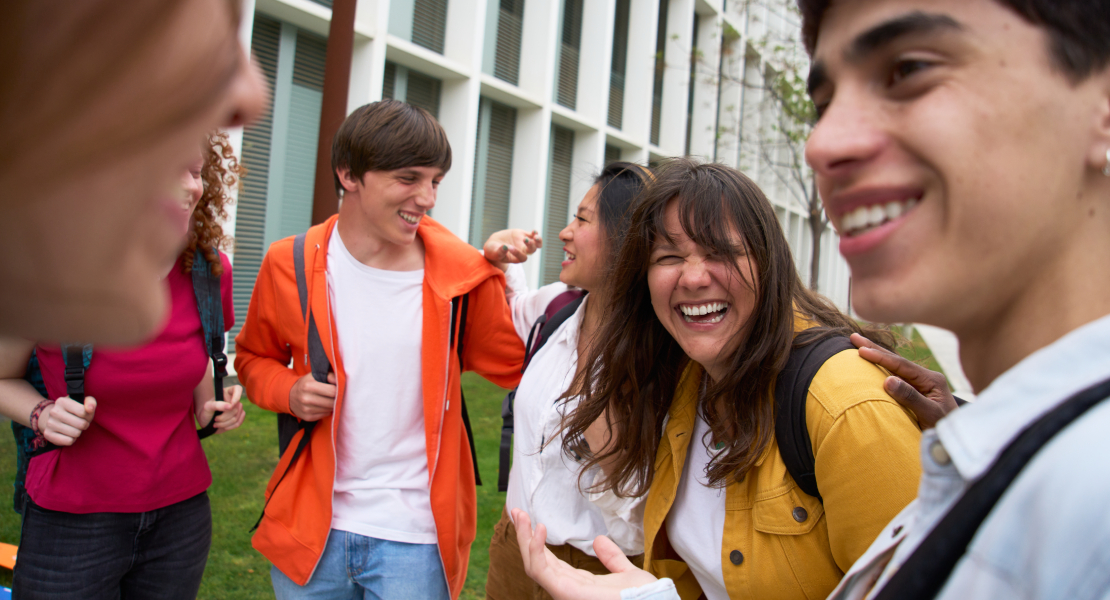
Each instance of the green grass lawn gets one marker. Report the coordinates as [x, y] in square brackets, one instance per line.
[241, 465]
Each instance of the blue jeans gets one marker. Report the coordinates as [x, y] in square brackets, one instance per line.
[154, 555]
[357, 567]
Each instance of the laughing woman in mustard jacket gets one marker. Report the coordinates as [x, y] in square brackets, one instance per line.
[709, 307]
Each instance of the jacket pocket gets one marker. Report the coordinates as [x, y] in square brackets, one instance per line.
[791, 513]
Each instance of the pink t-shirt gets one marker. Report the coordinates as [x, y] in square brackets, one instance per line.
[141, 451]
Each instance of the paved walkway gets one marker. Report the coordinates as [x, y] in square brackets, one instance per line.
[946, 349]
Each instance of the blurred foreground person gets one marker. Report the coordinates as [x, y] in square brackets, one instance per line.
[102, 105]
[116, 503]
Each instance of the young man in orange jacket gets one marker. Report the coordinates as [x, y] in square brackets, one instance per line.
[382, 498]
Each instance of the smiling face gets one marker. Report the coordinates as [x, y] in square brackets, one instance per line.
[584, 245]
[703, 301]
[951, 156]
[386, 206]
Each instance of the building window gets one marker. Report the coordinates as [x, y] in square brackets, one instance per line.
[422, 22]
[502, 51]
[617, 66]
[493, 168]
[612, 153]
[660, 65]
[694, 54]
[279, 150]
[414, 87]
[566, 86]
[558, 200]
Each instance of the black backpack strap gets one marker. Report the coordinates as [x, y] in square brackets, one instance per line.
[791, 391]
[545, 328]
[288, 425]
[206, 287]
[465, 302]
[927, 569]
[76, 362]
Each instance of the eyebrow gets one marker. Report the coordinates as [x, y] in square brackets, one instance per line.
[882, 35]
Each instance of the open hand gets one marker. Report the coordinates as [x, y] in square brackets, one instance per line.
[563, 581]
[511, 246]
[921, 390]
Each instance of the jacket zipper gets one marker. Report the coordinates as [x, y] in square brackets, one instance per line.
[439, 438]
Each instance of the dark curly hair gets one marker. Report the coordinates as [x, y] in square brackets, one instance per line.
[220, 172]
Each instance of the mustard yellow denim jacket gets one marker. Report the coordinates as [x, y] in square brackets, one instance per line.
[866, 449]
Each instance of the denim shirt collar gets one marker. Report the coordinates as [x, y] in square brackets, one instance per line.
[977, 433]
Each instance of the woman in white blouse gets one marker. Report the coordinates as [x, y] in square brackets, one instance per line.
[543, 480]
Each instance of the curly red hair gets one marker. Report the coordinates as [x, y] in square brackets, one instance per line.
[220, 172]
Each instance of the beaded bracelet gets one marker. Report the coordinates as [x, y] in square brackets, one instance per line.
[41, 406]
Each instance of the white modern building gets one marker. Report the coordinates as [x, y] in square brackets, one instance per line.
[535, 95]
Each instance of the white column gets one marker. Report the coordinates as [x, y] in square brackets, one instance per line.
[458, 112]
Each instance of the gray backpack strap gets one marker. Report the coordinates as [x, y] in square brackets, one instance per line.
[289, 425]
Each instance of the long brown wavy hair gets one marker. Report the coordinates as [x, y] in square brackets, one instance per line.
[220, 173]
[638, 364]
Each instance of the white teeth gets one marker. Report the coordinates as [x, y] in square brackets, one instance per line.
[410, 218]
[702, 309]
[864, 218]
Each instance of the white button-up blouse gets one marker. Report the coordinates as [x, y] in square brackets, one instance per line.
[543, 480]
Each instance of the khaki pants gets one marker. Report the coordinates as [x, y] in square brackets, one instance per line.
[507, 580]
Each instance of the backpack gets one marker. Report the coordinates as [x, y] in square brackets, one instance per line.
[206, 287]
[288, 425]
[557, 312]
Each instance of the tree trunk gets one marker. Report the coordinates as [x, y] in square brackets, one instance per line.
[817, 227]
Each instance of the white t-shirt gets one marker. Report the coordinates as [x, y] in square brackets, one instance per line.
[381, 476]
[696, 522]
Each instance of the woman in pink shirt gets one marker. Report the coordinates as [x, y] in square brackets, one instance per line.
[119, 508]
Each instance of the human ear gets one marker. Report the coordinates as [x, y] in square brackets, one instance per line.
[348, 182]
[1098, 156]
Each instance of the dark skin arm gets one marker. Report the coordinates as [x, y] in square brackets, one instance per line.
[920, 390]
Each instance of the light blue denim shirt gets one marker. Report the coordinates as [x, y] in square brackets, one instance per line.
[1049, 536]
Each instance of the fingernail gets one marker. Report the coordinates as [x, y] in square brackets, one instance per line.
[504, 248]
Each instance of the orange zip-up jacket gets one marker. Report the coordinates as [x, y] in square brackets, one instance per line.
[297, 519]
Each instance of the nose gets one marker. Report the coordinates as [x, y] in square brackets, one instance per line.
[426, 195]
[566, 234]
[191, 186]
[848, 135]
[695, 274]
[249, 95]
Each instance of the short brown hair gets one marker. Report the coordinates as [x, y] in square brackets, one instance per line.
[1078, 30]
[388, 135]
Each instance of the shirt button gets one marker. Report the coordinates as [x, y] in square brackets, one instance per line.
[800, 514]
[939, 454]
[736, 557]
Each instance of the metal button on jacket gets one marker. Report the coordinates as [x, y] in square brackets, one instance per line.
[800, 514]
[939, 454]
[736, 557]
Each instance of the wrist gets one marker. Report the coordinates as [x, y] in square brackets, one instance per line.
[36, 413]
